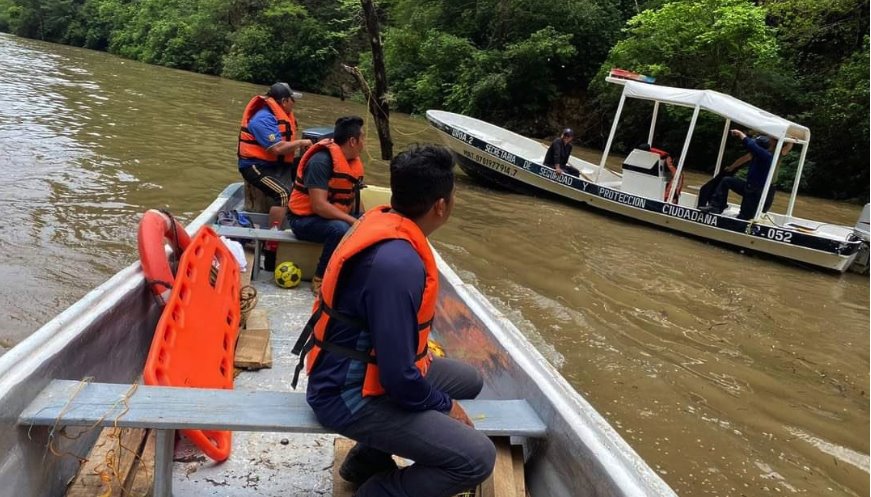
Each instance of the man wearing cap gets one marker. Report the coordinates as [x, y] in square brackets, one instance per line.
[268, 144]
[557, 156]
[750, 189]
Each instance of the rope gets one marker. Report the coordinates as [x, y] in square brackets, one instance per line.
[111, 460]
[176, 249]
[247, 302]
[369, 100]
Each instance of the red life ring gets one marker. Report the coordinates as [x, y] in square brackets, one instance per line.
[154, 229]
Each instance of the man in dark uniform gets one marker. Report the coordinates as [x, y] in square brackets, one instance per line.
[557, 156]
[751, 188]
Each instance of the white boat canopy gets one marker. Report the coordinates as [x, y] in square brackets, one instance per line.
[719, 103]
[732, 109]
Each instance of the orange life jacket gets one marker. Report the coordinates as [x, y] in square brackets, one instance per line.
[343, 190]
[248, 147]
[375, 226]
[669, 163]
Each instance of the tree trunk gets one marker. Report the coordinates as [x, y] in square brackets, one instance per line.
[378, 105]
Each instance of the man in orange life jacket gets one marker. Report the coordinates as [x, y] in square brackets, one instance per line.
[325, 201]
[370, 375]
[268, 144]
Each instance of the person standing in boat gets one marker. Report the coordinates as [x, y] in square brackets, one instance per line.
[325, 201]
[751, 188]
[377, 303]
[268, 144]
[557, 156]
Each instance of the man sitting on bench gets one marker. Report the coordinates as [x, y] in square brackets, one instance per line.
[325, 201]
[377, 303]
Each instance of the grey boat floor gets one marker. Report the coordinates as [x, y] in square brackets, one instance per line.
[265, 464]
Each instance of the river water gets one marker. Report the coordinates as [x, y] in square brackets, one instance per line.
[730, 374]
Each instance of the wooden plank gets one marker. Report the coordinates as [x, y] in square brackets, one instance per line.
[253, 350]
[216, 409]
[141, 477]
[519, 474]
[109, 463]
[501, 481]
[341, 446]
[341, 488]
[257, 320]
[267, 355]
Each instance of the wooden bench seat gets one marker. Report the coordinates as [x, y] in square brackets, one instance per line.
[166, 409]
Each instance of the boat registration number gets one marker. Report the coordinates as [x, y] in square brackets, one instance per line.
[779, 235]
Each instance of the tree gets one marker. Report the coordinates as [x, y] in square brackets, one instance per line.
[842, 131]
[379, 106]
[722, 45]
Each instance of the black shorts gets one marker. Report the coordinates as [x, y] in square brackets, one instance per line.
[276, 181]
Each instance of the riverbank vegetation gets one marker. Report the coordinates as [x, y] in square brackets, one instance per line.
[530, 65]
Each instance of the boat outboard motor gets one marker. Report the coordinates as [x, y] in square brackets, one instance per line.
[862, 231]
[644, 175]
[317, 134]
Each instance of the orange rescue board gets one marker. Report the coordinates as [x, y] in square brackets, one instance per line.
[195, 339]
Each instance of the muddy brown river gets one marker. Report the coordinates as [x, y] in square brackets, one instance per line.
[731, 374]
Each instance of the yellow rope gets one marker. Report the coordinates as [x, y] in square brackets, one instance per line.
[111, 460]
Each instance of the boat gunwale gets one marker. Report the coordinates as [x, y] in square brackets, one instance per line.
[626, 468]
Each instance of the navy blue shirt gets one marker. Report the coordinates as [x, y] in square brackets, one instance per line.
[318, 170]
[558, 153]
[264, 126]
[383, 285]
[757, 173]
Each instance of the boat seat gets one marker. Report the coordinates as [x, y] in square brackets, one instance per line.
[290, 248]
[166, 409]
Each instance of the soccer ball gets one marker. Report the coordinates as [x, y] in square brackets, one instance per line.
[287, 275]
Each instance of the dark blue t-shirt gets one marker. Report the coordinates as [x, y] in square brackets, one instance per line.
[318, 170]
[383, 285]
[264, 126]
[759, 164]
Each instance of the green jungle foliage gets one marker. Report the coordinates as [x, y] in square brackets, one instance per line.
[533, 66]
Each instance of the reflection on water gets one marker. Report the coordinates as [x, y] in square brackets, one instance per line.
[731, 374]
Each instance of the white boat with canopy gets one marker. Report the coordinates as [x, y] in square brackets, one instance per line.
[507, 159]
